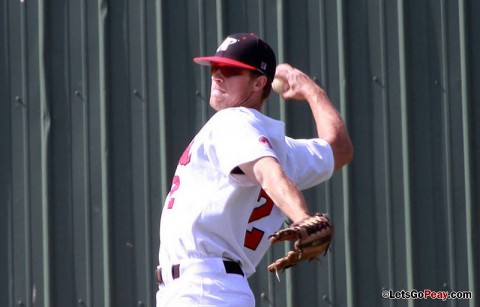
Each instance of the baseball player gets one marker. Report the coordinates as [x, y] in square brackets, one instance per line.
[241, 177]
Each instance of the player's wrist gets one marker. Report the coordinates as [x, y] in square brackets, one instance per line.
[300, 218]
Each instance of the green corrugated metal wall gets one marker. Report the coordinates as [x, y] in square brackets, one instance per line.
[99, 98]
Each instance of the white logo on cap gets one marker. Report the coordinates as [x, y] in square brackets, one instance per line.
[227, 42]
[264, 65]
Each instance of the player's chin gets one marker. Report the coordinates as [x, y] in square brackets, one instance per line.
[216, 104]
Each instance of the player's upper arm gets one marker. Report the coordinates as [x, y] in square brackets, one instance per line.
[313, 161]
[263, 170]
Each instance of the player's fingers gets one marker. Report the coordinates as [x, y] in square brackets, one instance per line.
[293, 93]
[283, 68]
[288, 95]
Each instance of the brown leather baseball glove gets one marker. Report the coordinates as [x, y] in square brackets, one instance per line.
[312, 237]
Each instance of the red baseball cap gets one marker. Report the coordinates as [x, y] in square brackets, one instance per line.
[244, 50]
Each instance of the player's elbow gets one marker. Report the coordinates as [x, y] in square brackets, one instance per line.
[342, 152]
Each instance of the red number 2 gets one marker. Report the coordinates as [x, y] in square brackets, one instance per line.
[253, 237]
[175, 186]
[184, 160]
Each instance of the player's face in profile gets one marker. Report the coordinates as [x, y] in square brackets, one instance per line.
[231, 87]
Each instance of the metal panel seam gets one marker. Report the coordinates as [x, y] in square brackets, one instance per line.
[471, 259]
[102, 15]
[387, 154]
[145, 150]
[45, 133]
[280, 59]
[26, 142]
[405, 148]
[161, 101]
[201, 34]
[86, 154]
[328, 187]
[345, 175]
[444, 87]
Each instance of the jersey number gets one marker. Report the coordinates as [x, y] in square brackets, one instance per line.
[184, 160]
[253, 237]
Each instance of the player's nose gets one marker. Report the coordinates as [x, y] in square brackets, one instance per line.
[217, 76]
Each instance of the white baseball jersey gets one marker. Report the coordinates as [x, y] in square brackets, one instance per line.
[214, 212]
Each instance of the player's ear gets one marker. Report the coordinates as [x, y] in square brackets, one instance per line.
[260, 83]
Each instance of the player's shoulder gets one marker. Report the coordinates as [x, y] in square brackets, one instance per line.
[237, 115]
[238, 112]
[240, 118]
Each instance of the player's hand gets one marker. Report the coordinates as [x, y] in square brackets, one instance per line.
[299, 85]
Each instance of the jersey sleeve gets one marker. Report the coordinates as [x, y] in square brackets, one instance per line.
[237, 137]
[312, 159]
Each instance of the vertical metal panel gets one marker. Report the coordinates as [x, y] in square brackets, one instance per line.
[21, 263]
[5, 163]
[468, 28]
[78, 153]
[80, 180]
[136, 129]
[405, 149]
[100, 98]
[60, 97]
[98, 165]
[27, 202]
[137, 60]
